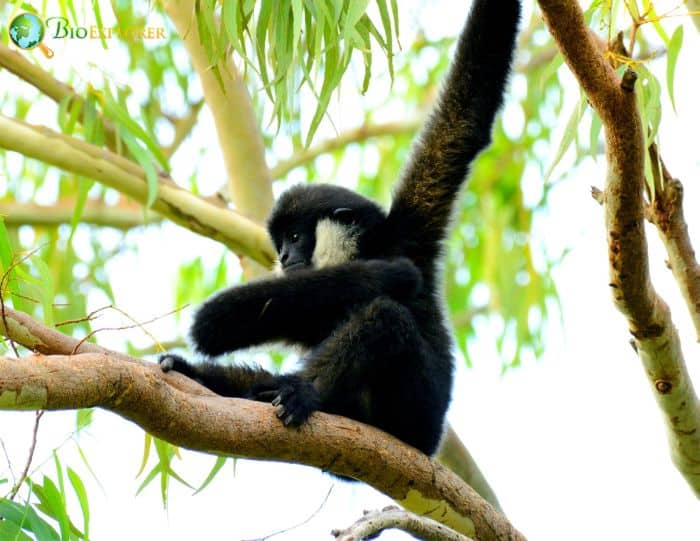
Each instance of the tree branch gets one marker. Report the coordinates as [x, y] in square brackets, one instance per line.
[356, 135]
[51, 87]
[70, 374]
[119, 216]
[693, 7]
[182, 207]
[374, 523]
[140, 392]
[666, 212]
[655, 337]
[236, 125]
[183, 127]
[454, 455]
[48, 85]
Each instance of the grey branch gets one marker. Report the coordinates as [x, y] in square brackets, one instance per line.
[373, 523]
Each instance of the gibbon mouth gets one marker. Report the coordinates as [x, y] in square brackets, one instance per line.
[298, 265]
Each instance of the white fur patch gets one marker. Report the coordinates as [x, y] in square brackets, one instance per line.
[335, 244]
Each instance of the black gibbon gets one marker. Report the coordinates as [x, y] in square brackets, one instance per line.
[361, 289]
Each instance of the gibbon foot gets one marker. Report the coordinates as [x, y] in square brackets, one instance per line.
[295, 398]
[170, 362]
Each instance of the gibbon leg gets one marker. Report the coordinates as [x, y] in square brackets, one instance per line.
[296, 396]
[226, 380]
[377, 368]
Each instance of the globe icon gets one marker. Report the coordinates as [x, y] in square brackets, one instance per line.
[26, 31]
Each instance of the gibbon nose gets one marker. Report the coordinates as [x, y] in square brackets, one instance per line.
[284, 256]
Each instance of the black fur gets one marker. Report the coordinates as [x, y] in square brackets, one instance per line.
[377, 346]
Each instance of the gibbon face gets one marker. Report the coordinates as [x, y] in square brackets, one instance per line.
[321, 226]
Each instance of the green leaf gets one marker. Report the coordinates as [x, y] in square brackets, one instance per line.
[84, 187]
[98, 19]
[53, 505]
[47, 292]
[386, 23]
[261, 31]
[10, 531]
[81, 493]
[83, 418]
[570, 132]
[87, 464]
[297, 18]
[355, 11]
[220, 461]
[674, 47]
[395, 14]
[93, 131]
[13, 512]
[118, 113]
[651, 15]
[229, 15]
[147, 439]
[364, 28]
[151, 475]
[5, 248]
[144, 160]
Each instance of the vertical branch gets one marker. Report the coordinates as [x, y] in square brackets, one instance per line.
[655, 337]
[237, 128]
[666, 213]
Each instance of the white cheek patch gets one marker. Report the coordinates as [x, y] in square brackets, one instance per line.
[277, 269]
[335, 244]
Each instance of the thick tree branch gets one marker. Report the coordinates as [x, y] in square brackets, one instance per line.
[32, 335]
[655, 337]
[95, 213]
[182, 207]
[140, 392]
[374, 523]
[74, 374]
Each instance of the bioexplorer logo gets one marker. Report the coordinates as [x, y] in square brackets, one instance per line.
[27, 31]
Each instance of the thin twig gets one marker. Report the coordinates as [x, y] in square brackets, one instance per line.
[296, 526]
[136, 324]
[9, 462]
[38, 415]
[6, 278]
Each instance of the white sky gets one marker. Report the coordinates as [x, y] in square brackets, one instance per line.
[573, 444]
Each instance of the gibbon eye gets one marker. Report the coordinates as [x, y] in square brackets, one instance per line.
[294, 237]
